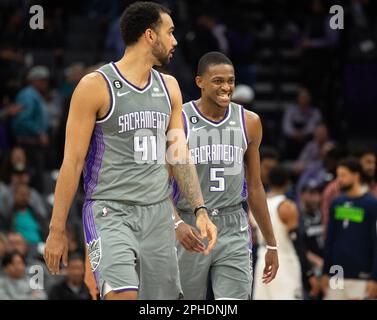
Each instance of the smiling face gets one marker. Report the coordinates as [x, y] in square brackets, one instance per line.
[165, 42]
[217, 84]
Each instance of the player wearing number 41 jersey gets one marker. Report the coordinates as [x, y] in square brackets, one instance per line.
[223, 139]
[117, 132]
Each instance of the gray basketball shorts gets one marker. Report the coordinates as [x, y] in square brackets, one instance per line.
[229, 264]
[132, 247]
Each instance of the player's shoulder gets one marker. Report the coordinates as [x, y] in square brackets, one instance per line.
[251, 116]
[339, 200]
[287, 205]
[287, 210]
[170, 80]
[92, 80]
[186, 106]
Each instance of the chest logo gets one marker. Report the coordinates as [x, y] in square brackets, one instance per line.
[122, 94]
[197, 128]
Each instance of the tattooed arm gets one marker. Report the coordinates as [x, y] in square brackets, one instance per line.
[184, 172]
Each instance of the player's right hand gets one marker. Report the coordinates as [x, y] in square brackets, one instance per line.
[55, 249]
[207, 229]
[189, 238]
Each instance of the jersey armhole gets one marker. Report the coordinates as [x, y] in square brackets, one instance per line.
[186, 126]
[165, 88]
[112, 98]
[243, 124]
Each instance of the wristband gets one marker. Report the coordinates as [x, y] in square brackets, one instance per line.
[200, 207]
[176, 224]
[272, 247]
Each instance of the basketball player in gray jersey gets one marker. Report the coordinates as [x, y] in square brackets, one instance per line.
[117, 133]
[223, 139]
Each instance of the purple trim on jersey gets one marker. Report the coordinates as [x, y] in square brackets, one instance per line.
[214, 122]
[244, 189]
[164, 84]
[126, 289]
[184, 123]
[90, 230]
[93, 161]
[176, 194]
[244, 124]
[111, 96]
[129, 83]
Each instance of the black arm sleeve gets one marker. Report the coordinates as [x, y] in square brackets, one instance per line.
[299, 246]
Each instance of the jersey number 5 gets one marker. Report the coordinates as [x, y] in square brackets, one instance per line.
[216, 175]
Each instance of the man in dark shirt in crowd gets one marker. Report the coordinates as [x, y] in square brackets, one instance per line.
[351, 242]
[73, 286]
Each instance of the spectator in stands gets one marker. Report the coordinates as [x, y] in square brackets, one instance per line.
[317, 42]
[351, 240]
[322, 171]
[208, 34]
[73, 286]
[310, 213]
[367, 159]
[3, 248]
[72, 76]
[5, 205]
[15, 161]
[312, 150]
[15, 284]
[32, 255]
[7, 111]
[23, 219]
[299, 122]
[312, 229]
[30, 126]
[269, 159]
[360, 40]
[36, 200]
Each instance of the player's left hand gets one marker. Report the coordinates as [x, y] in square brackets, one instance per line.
[271, 266]
[207, 230]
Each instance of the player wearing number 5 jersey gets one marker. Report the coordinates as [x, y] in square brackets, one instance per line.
[223, 141]
[117, 133]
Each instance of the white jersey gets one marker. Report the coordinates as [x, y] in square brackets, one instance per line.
[287, 284]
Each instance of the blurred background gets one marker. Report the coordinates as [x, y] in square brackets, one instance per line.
[314, 88]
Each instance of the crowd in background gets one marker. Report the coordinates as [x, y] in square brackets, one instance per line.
[309, 128]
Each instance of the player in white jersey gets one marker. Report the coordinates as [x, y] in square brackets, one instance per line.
[292, 261]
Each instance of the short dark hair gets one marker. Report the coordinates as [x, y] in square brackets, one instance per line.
[138, 17]
[362, 150]
[352, 164]
[269, 153]
[9, 256]
[212, 58]
[76, 256]
[279, 176]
